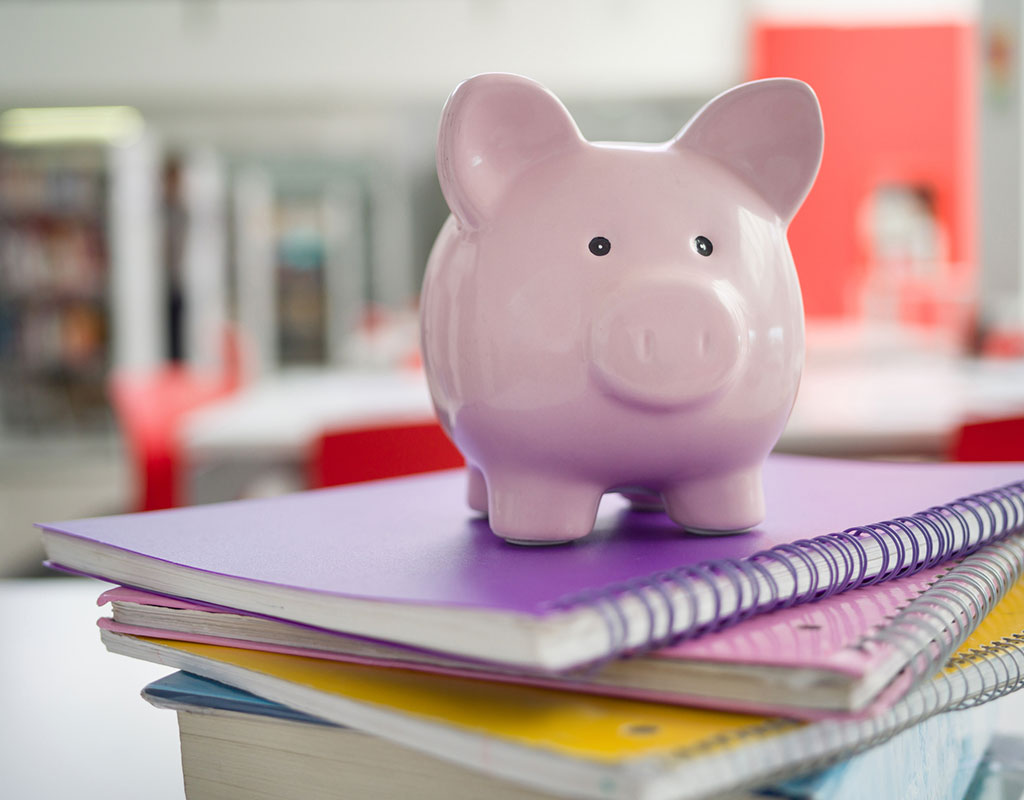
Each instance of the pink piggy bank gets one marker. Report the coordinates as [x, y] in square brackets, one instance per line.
[616, 317]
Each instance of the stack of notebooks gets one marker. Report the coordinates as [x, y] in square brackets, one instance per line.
[379, 641]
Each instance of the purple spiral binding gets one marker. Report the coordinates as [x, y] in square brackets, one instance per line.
[831, 563]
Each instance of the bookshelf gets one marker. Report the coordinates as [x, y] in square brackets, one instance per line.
[305, 257]
[55, 337]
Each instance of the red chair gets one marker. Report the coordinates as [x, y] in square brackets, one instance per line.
[151, 407]
[989, 440]
[353, 455]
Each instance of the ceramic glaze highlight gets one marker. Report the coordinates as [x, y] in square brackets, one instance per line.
[601, 317]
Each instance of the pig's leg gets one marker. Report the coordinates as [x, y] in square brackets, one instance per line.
[476, 494]
[530, 508]
[730, 503]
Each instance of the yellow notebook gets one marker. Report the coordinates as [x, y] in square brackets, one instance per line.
[592, 746]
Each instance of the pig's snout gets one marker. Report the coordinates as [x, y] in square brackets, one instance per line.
[668, 343]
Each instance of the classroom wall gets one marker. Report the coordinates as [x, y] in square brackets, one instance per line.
[899, 107]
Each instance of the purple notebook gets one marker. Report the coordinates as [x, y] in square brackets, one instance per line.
[854, 653]
[404, 560]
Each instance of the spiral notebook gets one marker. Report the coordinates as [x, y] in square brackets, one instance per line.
[234, 743]
[404, 561]
[588, 745]
[857, 652]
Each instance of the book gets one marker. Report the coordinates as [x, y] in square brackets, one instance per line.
[591, 746]
[856, 652]
[402, 560]
[236, 744]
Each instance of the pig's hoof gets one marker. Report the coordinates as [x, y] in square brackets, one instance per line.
[537, 542]
[706, 532]
[718, 506]
[534, 509]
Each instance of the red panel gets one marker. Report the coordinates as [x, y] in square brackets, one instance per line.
[993, 440]
[899, 107]
[351, 456]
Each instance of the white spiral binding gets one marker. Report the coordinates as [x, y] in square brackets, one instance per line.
[932, 627]
[785, 748]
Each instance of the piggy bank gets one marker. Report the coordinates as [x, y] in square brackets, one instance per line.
[624, 317]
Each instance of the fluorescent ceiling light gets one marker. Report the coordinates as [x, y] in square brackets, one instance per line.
[103, 124]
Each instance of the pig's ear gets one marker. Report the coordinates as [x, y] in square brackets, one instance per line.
[769, 133]
[493, 128]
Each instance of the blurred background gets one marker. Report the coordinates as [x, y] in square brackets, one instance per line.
[215, 216]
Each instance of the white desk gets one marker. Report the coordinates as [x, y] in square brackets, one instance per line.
[259, 440]
[900, 404]
[895, 402]
[72, 724]
[283, 413]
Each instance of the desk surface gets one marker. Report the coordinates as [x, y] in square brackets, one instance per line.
[283, 414]
[897, 405]
[849, 403]
[73, 724]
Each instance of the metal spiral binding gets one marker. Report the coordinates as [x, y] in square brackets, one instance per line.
[968, 679]
[933, 626]
[831, 563]
[833, 741]
[1006, 654]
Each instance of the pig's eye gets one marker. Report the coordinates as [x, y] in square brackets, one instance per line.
[600, 246]
[702, 244]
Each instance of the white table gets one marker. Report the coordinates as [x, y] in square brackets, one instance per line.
[283, 413]
[259, 440]
[900, 403]
[72, 724]
[865, 400]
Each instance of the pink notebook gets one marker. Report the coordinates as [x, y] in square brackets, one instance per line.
[849, 654]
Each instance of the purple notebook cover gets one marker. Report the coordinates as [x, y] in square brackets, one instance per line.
[413, 540]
